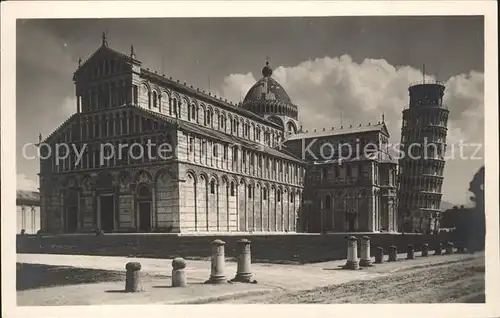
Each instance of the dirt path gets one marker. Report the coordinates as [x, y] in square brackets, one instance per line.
[458, 282]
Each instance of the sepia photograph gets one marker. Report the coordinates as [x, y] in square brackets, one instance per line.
[263, 159]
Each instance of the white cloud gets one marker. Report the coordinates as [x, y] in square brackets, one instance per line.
[23, 183]
[326, 89]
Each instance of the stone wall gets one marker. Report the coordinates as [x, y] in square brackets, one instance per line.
[280, 248]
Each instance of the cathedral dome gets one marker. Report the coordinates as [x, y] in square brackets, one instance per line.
[269, 99]
[267, 88]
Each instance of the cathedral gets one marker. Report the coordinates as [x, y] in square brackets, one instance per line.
[146, 153]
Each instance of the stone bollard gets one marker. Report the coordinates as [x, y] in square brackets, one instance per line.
[218, 263]
[410, 254]
[366, 259]
[352, 253]
[243, 273]
[178, 272]
[425, 250]
[39, 237]
[393, 253]
[379, 255]
[132, 279]
[449, 248]
[438, 249]
[460, 247]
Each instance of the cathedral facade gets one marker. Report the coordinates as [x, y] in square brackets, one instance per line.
[146, 153]
[158, 155]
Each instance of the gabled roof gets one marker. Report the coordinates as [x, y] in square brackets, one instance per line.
[381, 127]
[215, 134]
[102, 50]
[61, 127]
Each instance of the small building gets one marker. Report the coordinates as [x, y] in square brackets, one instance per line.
[350, 180]
[28, 211]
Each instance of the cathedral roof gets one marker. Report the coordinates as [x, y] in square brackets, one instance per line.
[230, 139]
[194, 128]
[266, 89]
[341, 131]
[379, 156]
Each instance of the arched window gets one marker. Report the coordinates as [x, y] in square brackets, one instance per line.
[212, 187]
[175, 107]
[235, 125]
[264, 194]
[232, 189]
[169, 104]
[278, 196]
[155, 99]
[209, 118]
[193, 112]
[221, 121]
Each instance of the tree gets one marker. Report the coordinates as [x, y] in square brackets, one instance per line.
[476, 187]
[477, 228]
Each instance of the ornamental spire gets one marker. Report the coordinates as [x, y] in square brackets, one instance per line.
[267, 71]
[132, 52]
[104, 40]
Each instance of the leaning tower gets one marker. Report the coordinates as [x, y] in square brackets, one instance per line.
[423, 143]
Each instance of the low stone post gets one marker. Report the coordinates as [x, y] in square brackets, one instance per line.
[352, 253]
[132, 278]
[178, 272]
[39, 237]
[425, 250]
[243, 272]
[379, 255]
[438, 249]
[410, 254]
[366, 259]
[449, 248]
[393, 253]
[460, 247]
[217, 275]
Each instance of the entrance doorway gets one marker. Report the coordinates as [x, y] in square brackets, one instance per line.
[351, 222]
[144, 216]
[71, 219]
[107, 212]
[71, 211]
[144, 204]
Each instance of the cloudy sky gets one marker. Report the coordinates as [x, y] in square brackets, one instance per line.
[359, 67]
